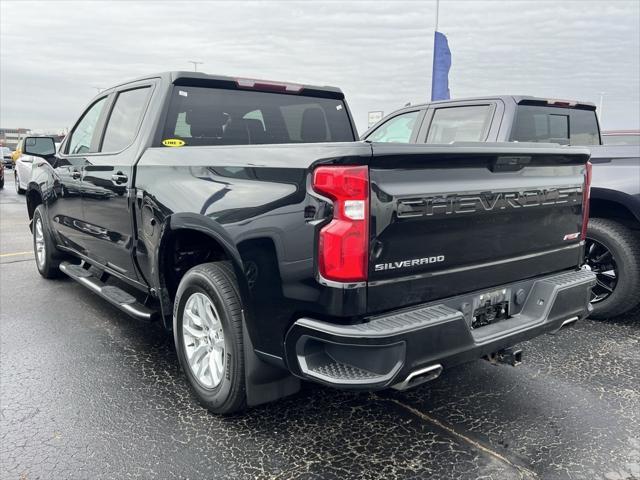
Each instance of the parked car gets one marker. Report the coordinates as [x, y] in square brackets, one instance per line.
[6, 157]
[621, 137]
[613, 237]
[276, 247]
[22, 171]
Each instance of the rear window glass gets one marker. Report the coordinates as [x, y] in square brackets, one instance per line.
[213, 116]
[626, 139]
[566, 126]
[459, 124]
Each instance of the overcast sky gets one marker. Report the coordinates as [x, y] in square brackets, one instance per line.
[54, 53]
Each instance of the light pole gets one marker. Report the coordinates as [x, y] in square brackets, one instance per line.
[601, 106]
[195, 64]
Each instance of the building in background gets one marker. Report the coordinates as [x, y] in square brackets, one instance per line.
[9, 137]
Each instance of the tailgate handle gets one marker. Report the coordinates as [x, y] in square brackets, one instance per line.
[511, 163]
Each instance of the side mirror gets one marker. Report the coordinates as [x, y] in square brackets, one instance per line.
[44, 147]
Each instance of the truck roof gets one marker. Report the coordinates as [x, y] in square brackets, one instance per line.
[518, 99]
[180, 77]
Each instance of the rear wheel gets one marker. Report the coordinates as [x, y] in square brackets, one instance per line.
[612, 252]
[207, 328]
[46, 253]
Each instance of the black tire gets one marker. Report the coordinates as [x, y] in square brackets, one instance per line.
[218, 283]
[19, 191]
[624, 245]
[49, 262]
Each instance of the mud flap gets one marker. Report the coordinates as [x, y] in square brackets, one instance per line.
[263, 382]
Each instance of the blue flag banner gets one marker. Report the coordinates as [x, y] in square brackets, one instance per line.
[441, 66]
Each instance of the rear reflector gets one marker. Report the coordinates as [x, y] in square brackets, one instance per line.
[343, 246]
[586, 195]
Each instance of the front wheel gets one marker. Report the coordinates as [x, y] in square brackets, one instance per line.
[46, 253]
[612, 252]
[207, 329]
[19, 190]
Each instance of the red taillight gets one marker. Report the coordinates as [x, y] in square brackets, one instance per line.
[585, 200]
[344, 242]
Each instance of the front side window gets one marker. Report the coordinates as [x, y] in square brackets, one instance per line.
[460, 124]
[395, 130]
[124, 120]
[216, 116]
[84, 137]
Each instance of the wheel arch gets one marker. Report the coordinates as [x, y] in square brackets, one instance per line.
[34, 198]
[607, 203]
[193, 230]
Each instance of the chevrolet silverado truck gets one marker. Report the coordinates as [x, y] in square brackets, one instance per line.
[613, 238]
[245, 217]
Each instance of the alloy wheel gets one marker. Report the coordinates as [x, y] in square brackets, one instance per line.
[203, 338]
[599, 259]
[39, 242]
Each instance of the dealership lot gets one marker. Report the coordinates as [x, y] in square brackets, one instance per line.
[86, 392]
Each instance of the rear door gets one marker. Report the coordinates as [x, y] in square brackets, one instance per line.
[446, 220]
[107, 181]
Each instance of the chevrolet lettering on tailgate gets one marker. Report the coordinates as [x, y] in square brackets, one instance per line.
[453, 203]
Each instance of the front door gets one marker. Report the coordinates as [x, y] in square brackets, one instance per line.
[65, 207]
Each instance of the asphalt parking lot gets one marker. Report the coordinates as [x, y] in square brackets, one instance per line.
[86, 392]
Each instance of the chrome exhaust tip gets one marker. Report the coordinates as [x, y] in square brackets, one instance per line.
[420, 376]
[567, 322]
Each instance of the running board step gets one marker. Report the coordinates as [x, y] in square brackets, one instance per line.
[112, 294]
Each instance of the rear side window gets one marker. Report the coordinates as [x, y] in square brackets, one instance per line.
[84, 138]
[395, 130]
[214, 116]
[460, 124]
[125, 118]
[556, 125]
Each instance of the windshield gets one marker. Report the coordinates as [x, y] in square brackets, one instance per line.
[566, 126]
[213, 116]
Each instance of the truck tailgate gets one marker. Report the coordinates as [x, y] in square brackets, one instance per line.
[446, 220]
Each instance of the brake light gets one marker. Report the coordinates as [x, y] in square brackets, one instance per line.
[561, 103]
[266, 85]
[586, 194]
[343, 246]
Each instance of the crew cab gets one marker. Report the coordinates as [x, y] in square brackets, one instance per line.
[613, 237]
[245, 216]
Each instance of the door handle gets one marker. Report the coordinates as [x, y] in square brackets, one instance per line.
[75, 174]
[119, 178]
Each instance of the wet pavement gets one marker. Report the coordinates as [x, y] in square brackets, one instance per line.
[86, 392]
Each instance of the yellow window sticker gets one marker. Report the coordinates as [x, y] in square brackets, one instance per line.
[173, 142]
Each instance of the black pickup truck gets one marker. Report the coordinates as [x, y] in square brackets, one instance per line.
[245, 217]
[613, 238]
